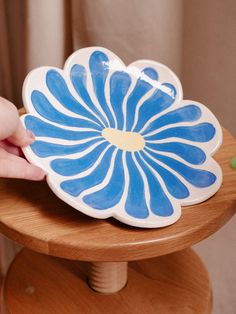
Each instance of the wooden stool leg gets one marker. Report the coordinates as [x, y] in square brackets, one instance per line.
[108, 277]
[177, 283]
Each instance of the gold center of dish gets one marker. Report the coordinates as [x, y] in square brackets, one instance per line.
[129, 141]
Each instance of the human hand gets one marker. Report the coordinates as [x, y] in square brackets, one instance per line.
[13, 136]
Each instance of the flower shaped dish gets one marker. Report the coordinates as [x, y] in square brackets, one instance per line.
[121, 141]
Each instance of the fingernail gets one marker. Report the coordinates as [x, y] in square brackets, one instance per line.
[30, 134]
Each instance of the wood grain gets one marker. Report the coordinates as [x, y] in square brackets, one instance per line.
[177, 283]
[108, 277]
[33, 216]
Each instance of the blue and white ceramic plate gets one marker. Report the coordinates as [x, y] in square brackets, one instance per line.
[121, 141]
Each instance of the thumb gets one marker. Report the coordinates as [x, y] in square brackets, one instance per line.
[21, 137]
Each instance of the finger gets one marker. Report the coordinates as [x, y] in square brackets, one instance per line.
[21, 137]
[11, 126]
[8, 118]
[10, 148]
[18, 168]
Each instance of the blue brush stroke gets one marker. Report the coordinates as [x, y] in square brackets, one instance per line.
[111, 194]
[140, 89]
[135, 205]
[70, 167]
[75, 187]
[119, 84]
[187, 113]
[46, 149]
[202, 132]
[151, 73]
[190, 153]
[99, 68]
[155, 104]
[41, 128]
[78, 77]
[159, 202]
[197, 177]
[174, 186]
[47, 111]
[58, 87]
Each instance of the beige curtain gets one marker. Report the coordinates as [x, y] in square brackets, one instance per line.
[209, 56]
[196, 38]
[12, 48]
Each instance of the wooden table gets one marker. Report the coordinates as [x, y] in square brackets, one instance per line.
[64, 247]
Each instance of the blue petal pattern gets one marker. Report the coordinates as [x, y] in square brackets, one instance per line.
[44, 149]
[197, 177]
[190, 153]
[174, 186]
[159, 202]
[57, 86]
[140, 89]
[136, 205]
[76, 186]
[169, 163]
[188, 113]
[78, 77]
[202, 132]
[41, 128]
[111, 194]
[158, 102]
[99, 68]
[47, 111]
[70, 167]
[119, 85]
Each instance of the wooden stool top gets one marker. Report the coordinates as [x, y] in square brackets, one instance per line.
[33, 216]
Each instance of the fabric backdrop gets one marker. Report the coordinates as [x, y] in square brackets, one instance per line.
[195, 38]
